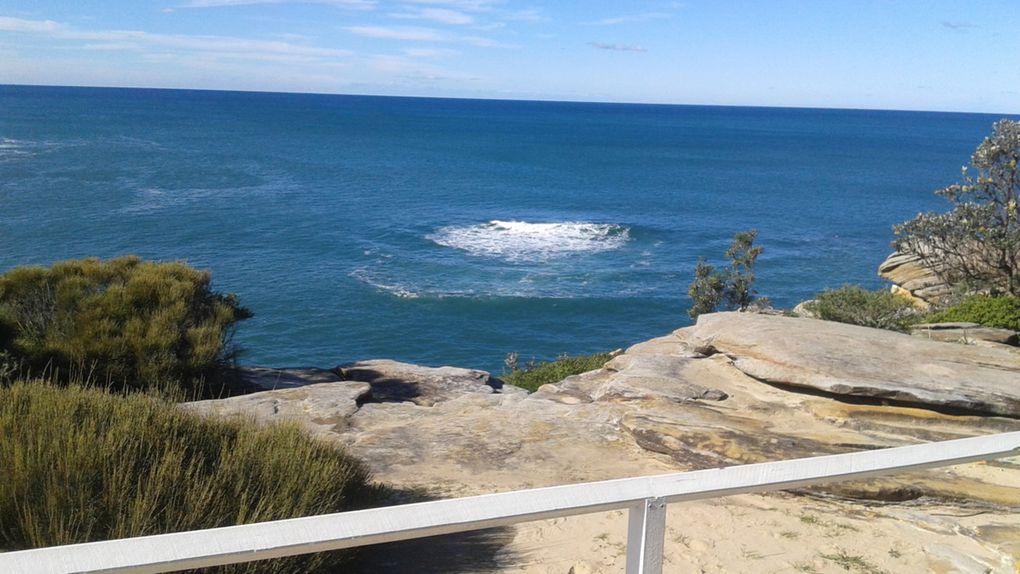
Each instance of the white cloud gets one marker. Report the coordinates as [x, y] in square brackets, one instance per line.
[27, 26]
[463, 5]
[430, 52]
[626, 19]
[353, 4]
[416, 34]
[139, 40]
[441, 15]
[404, 33]
[617, 47]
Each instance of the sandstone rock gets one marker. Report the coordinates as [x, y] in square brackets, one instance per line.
[392, 381]
[320, 407]
[689, 400]
[907, 271]
[958, 332]
[802, 310]
[858, 361]
[268, 379]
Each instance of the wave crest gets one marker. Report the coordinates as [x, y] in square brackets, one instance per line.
[522, 241]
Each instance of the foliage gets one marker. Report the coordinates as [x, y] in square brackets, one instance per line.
[976, 244]
[83, 465]
[1002, 312]
[124, 322]
[534, 375]
[857, 306]
[734, 287]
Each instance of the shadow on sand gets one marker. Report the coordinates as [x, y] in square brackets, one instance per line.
[477, 551]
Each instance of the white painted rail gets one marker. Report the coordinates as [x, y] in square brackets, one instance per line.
[644, 497]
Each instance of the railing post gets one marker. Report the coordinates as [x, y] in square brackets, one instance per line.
[646, 533]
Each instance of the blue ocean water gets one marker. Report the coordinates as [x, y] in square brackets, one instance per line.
[454, 231]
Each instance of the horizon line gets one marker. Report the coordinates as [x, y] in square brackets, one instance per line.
[512, 99]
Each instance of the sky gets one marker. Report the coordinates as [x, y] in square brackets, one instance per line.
[952, 55]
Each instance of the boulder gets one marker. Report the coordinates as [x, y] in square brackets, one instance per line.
[912, 277]
[393, 381]
[853, 361]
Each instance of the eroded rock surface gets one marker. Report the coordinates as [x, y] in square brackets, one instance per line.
[966, 333]
[733, 389]
[858, 361]
[913, 278]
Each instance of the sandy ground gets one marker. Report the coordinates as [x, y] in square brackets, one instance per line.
[768, 533]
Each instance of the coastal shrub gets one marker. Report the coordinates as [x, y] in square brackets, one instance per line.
[84, 465]
[1002, 312]
[534, 375]
[732, 288]
[857, 306]
[976, 245]
[124, 322]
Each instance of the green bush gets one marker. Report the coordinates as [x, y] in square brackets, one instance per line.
[857, 306]
[732, 288]
[535, 375]
[84, 465]
[1002, 312]
[123, 322]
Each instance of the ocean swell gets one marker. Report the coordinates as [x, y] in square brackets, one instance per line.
[522, 241]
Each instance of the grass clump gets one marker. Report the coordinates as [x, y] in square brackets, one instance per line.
[1001, 311]
[857, 306]
[84, 465]
[124, 322]
[534, 375]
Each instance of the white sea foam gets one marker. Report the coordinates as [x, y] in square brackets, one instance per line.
[522, 241]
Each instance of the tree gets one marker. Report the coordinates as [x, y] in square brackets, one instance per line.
[976, 245]
[733, 287]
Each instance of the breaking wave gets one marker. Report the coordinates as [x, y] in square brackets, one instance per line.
[521, 241]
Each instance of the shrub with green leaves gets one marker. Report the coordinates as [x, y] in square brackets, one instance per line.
[733, 288]
[1002, 312]
[84, 465]
[534, 375]
[124, 322]
[857, 306]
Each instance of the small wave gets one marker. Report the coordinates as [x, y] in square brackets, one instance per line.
[399, 291]
[522, 241]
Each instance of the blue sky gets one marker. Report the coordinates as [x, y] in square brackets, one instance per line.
[889, 54]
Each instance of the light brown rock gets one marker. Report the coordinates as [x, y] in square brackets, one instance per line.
[858, 361]
[679, 402]
[967, 333]
[913, 277]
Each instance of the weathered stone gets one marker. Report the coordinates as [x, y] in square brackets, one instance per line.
[393, 381]
[968, 333]
[858, 361]
[320, 407]
[912, 275]
[663, 406]
[803, 310]
[268, 379]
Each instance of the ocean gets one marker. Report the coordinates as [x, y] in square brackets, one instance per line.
[451, 232]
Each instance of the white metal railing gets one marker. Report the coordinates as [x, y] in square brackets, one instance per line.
[644, 497]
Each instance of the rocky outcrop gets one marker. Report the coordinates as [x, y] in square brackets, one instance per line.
[967, 333]
[849, 360]
[913, 278]
[735, 388]
[392, 381]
